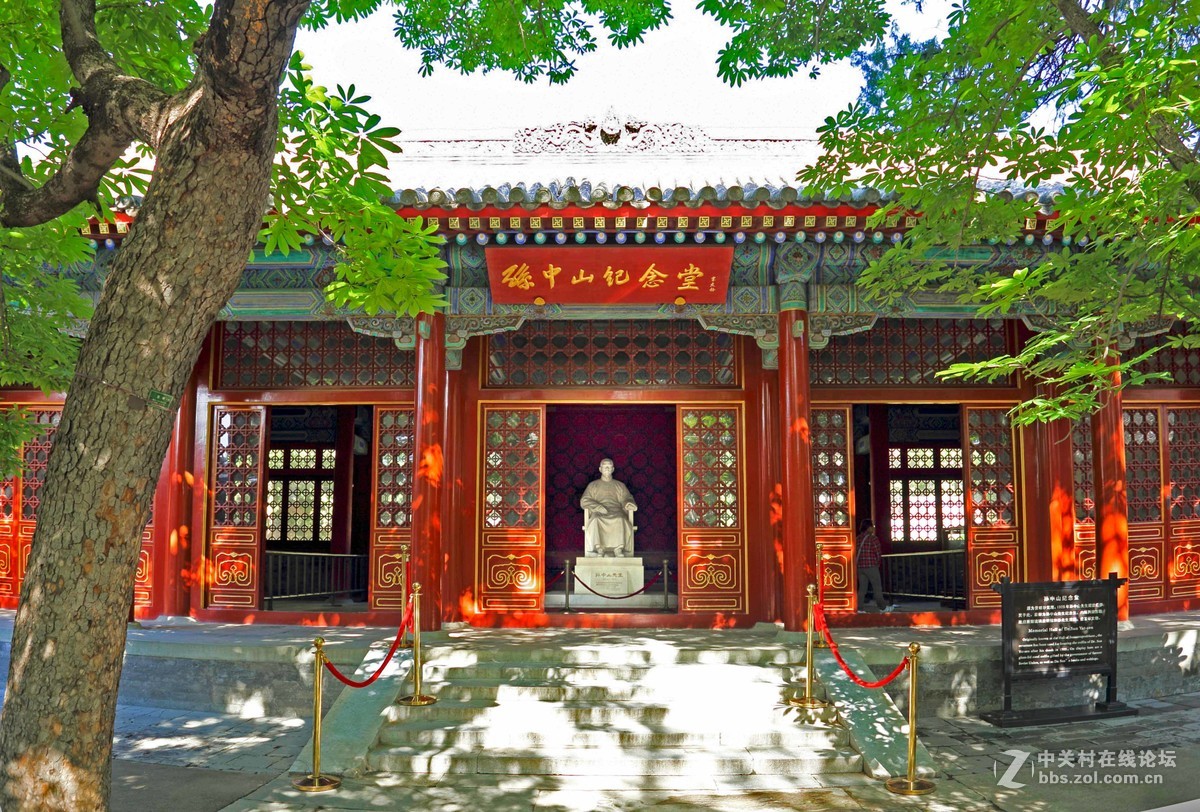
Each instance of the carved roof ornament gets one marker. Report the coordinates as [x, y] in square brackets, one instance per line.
[823, 326]
[611, 134]
[400, 329]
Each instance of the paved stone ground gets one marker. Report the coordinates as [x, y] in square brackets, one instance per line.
[972, 757]
[1130, 764]
[190, 761]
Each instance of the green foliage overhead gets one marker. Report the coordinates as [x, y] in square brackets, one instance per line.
[1094, 106]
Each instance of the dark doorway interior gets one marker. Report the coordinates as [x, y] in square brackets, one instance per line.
[640, 440]
[908, 478]
[317, 478]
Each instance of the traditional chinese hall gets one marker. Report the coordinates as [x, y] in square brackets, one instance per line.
[709, 338]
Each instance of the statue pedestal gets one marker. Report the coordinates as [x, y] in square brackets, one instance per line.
[609, 576]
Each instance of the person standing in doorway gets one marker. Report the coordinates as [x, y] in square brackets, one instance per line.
[868, 559]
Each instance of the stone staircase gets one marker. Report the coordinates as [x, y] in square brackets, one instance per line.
[692, 705]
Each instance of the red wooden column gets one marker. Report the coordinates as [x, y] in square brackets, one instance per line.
[173, 531]
[1112, 517]
[428, 465]
[1049, 500]
[798, 536]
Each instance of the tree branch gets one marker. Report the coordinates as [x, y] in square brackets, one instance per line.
[1170, 140]
[248, 44]
[120, 109]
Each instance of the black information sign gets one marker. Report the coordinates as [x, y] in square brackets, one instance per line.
[1058, 629]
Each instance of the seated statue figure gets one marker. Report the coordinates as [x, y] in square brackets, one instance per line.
[607, 515]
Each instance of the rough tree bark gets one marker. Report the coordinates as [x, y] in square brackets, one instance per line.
[179, 265]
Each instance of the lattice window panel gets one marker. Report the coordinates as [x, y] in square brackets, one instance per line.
[1083, 472]
[512, 468]
[1143, 476]
[992, 491]
[36, 456]
[1182, 365]
[907, 351]
[394, 468]
[325, 511]
[274, 522]
[302, 502]
[954, 505]
[235, 482]
[611, 353]
[710, 468]
[896, 510]
[290, 354]
[1183, 435]
[831, 468]
[8, 489]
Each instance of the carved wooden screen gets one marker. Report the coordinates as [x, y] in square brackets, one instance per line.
[1143, 489]
[513, 545]
[143, 580]
[1085, 498]
[1183, 443]
[291, 354]
[903, 352]
[20, 497]
[832, 504]
[712, 569]
[234, 541]
[993, 547]
[391, 538]
[611, 353]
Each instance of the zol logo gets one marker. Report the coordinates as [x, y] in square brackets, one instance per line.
[1019, 757]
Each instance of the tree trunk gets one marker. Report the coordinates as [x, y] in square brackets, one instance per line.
[180, 264]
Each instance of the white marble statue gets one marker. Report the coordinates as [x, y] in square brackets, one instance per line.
[607, 515]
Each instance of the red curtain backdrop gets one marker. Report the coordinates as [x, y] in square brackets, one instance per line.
[640, 440]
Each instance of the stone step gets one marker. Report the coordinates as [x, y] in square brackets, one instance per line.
[631, 761]
[603, 655]
[542, 691]
[530, 713]
[441, 734]
[518, 690]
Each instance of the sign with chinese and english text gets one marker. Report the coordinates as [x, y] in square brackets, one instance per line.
[601, 275]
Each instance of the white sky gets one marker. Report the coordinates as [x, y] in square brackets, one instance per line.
[670, 77]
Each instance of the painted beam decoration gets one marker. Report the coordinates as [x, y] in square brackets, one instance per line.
[619, 275]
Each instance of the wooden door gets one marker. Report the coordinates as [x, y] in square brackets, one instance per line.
[391, 522]
[512, 548]
[712, 555]
[235, 541]
[20, 497]
[993, 543]
[833, 503]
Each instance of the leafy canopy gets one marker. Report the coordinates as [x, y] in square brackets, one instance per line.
[1095, 107]
[1099, 101]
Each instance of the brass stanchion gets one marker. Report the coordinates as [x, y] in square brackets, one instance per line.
[566, 586]
[820, 642]
[666, 591]
[416, 697]
[911, 785]
[808, 700]
[314, 781]
[406, 641]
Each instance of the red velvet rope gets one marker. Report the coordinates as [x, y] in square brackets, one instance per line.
[404, 624]
[646, 586]
[555, 579]
[823, 627]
